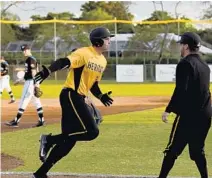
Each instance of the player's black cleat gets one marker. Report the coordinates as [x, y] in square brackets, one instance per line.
[44, 147]
[12, 101]
[34, 175]
[12, 123]
[40, 123]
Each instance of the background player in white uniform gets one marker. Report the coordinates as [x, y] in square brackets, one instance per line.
[5, 79]
[31, 69]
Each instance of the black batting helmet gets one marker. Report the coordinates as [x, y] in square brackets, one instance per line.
[98, 34]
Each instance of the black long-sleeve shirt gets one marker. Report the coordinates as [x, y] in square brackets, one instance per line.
[192, 91]
[30, 64]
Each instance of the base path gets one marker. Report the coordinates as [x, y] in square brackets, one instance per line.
[52, 111]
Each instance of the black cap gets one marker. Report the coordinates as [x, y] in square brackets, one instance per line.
[190, 38]
[24, 47]
[100, 33]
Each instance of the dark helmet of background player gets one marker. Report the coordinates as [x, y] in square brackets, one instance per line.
[98, 34]
[24, 47]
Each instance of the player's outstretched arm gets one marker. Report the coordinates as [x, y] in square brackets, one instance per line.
[59, 64]
[104, 98]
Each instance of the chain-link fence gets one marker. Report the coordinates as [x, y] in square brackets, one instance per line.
[109, 74]
[149, 42]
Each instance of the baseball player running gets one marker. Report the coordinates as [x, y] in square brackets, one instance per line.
[86, 66]
[5, 79]
[191, 101]
[28, 90]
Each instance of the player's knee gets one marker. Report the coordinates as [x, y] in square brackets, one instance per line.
[93, 134]
[196, 154]
[170, 154]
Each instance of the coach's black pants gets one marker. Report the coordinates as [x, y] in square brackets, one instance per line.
[191, 133]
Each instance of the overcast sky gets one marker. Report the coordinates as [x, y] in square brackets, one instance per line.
[141, 9]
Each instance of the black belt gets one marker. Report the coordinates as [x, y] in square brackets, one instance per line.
[72, 90]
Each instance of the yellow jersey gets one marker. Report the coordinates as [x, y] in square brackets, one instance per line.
[87, 67]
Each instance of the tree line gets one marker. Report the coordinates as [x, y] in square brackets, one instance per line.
[100, 10]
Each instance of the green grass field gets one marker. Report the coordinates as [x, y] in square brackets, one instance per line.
[129, 143]
[52, 89]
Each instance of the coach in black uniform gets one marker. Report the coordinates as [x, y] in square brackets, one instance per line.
[191, 102]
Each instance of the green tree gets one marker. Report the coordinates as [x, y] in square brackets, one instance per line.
[118, 9]
[97, 14]
[149, 39]
[47, 30]
[92, 5]
[66, 33]
[173, 27]
[206, 34]
[5, 13]
[184, 27]
[8, 33]
[208, 12]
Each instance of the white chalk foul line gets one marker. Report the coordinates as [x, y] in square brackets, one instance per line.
[87, 175]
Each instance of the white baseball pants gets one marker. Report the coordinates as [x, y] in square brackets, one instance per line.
[28, 94]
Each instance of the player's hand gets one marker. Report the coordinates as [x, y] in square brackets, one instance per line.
[42, 75]
[106, 99]
[165, 116]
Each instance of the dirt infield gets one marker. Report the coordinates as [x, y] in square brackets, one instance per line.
[52, 115]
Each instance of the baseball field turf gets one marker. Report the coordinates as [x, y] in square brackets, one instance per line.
[129, 143]
[52, 89]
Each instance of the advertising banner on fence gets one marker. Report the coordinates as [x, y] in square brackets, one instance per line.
[165, 72]
[129, 73]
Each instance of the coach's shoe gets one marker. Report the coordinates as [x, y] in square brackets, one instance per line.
[44, 147]
[40, 123]
[34, 175]
[12, 101]
[12, 123]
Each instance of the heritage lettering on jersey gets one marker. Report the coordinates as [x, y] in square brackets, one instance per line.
[95, 67]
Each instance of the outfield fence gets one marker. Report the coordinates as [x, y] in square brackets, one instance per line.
[135, 42]
[144, 43]
[147, 72]
[120, 73]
